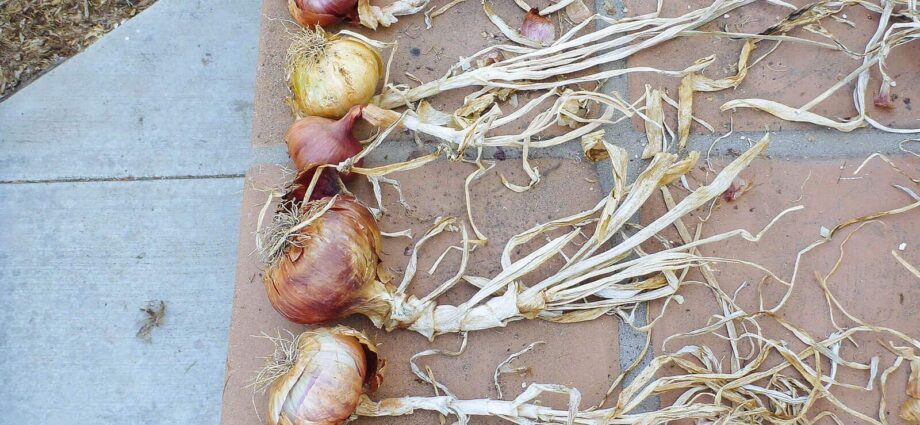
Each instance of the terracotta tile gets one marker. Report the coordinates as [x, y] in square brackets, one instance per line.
[869, 283]
[433, 191]
[794, 74]
[427, 54]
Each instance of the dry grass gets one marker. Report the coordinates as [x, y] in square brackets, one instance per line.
[36, 35]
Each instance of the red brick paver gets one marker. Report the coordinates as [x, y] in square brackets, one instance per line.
[869, 283]
[794, 74]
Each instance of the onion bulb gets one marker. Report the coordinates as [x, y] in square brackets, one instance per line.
[328, 74]
[333, 368]
[311, 13]
[314, 141]
[327, 268]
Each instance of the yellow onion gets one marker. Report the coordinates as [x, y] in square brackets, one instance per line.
[311, 13]
[333, 368]
[328, 74]
[328, 269]
[910, 411]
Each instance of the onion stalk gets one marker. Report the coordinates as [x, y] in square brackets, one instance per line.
[332, 371]
[606, 278]
[540, 68]
[315, 141]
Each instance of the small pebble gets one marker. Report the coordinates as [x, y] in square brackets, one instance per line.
[415, 51]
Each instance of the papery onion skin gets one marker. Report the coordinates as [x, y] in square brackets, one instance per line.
[330, 272]
[341, 72]
[538, 28]
[910, 411]
[328, 184]
[333, 369]
[913, 381]
[883, 98]
[314, 141]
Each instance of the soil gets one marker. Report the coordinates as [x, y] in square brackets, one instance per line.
[37, 35]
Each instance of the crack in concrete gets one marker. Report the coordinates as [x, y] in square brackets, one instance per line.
[125, 179]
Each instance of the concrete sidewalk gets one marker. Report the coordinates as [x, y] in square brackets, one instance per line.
[120, 180]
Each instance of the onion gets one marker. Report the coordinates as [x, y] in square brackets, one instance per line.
[312, 13]
[309, 17]
[328, 184]
[332, 369]
[327, 268]
[538, 28]
[328, 74]
[314, 141]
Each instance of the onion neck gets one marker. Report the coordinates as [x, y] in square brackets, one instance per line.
[345, 125]
[380, 117]
[377, 304]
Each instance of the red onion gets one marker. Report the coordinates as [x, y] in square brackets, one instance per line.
[329, 269]
[311, 13]
[316, 141]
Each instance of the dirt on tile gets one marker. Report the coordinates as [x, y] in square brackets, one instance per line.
[37, 35]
